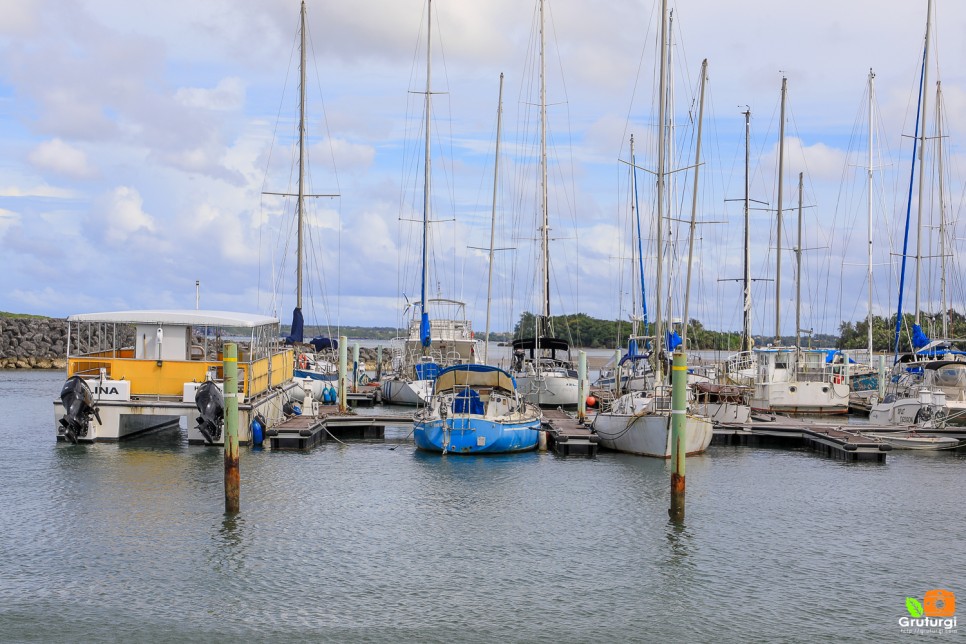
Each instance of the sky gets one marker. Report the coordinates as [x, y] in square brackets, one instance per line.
[138, 140]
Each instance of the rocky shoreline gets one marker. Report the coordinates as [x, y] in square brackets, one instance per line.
[41, 343]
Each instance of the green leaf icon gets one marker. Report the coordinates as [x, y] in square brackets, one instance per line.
[914, 607]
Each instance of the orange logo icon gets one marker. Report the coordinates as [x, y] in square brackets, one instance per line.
[939, 603]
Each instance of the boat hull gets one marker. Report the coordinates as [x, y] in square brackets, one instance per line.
[406, 392]
[549, 390]
[473, 434]
[649, 434]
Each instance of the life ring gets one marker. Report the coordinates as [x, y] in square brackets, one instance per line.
[303, 361]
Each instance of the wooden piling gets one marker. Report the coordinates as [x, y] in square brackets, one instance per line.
[679, 419]
[232, 472]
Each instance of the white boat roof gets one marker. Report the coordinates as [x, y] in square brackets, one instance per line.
[173, 316]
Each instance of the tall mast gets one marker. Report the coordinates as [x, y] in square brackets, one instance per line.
[496, 174]
[634, 254]
[869, 275]
[545, 223]
[798, 271]
[922, 146]
[778, 244]
[694, 206]
[942, 210]
[300, 206]
[746, 278]
[424, 331]
[661, 342]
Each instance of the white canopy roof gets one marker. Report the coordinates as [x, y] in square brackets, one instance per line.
[185, 317]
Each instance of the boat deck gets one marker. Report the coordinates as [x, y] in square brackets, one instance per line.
[566, 436]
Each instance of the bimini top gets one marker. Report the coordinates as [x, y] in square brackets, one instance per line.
[186, 317]
[473, 376]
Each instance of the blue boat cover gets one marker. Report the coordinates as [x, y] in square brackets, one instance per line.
[673, 340]
[424, 330]
[298, 327]
[468, 401]
[830, 356]
[427, 371]
[321, 342]
[919, 338]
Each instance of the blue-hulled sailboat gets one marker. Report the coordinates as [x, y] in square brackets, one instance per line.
[476, 409]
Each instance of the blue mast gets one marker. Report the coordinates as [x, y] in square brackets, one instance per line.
[905, 239]
[424, 327]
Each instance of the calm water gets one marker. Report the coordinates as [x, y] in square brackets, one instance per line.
[377, 542]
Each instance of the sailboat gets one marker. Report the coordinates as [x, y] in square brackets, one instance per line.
[639, 422]
[541, 363]
[791, 379]
[431, 344]
[927, 385]
[316, 360]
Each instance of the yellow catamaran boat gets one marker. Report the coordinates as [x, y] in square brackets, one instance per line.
[130, 372]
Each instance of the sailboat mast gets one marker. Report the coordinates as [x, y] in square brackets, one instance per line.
[661, 342]
[635, 221]
[424, 318]
[942, 211]
[778, 237]
[300, 205]
[694, 206]
[746, 277]
[496, 174]
[798, 270]
[922, 147]
[544, 223]
[869, 275]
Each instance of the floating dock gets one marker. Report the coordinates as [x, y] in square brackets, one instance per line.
[305, 432]
[566, 436]
[841, 441]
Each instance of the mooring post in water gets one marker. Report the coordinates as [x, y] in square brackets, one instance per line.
[581, 386]
[379, 363]
[342, 373]
[355, 367]
[679, 419]
[232, 474]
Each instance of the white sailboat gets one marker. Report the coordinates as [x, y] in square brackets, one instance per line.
[433, 342]
[639, 422]
[542, 365]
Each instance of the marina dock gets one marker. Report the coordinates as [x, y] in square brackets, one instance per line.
[836, 440]
[305, 432]
[566, 436]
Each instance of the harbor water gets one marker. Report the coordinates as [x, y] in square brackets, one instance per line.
[374, 541]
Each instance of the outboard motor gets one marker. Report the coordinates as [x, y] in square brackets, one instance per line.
[211, 404]
[79, 407]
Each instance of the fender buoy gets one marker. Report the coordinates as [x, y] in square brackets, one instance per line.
[591, 401]
[303, 361]
[258, 430]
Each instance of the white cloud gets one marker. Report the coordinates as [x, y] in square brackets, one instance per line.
[60, 157]
[42, 191]
[229, 94]
[123, 214]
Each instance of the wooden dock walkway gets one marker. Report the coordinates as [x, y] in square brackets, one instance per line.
[566, 436]
[305, 432]
[837, 440]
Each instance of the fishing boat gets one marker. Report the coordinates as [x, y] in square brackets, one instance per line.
[433, 343]
[130, 372]
[787, 379]
[476, 409]
[542, 364]
[639, 421]
[914, 440]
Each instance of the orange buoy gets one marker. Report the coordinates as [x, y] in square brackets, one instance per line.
[591, 401]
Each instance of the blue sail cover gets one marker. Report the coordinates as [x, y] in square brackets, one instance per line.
[919, 338]
[298, 327]
[673, 340]
[830, 356]
[321, 342]
[424, 338]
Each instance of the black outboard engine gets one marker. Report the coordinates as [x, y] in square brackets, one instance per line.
[78, 407]
[211, 403]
